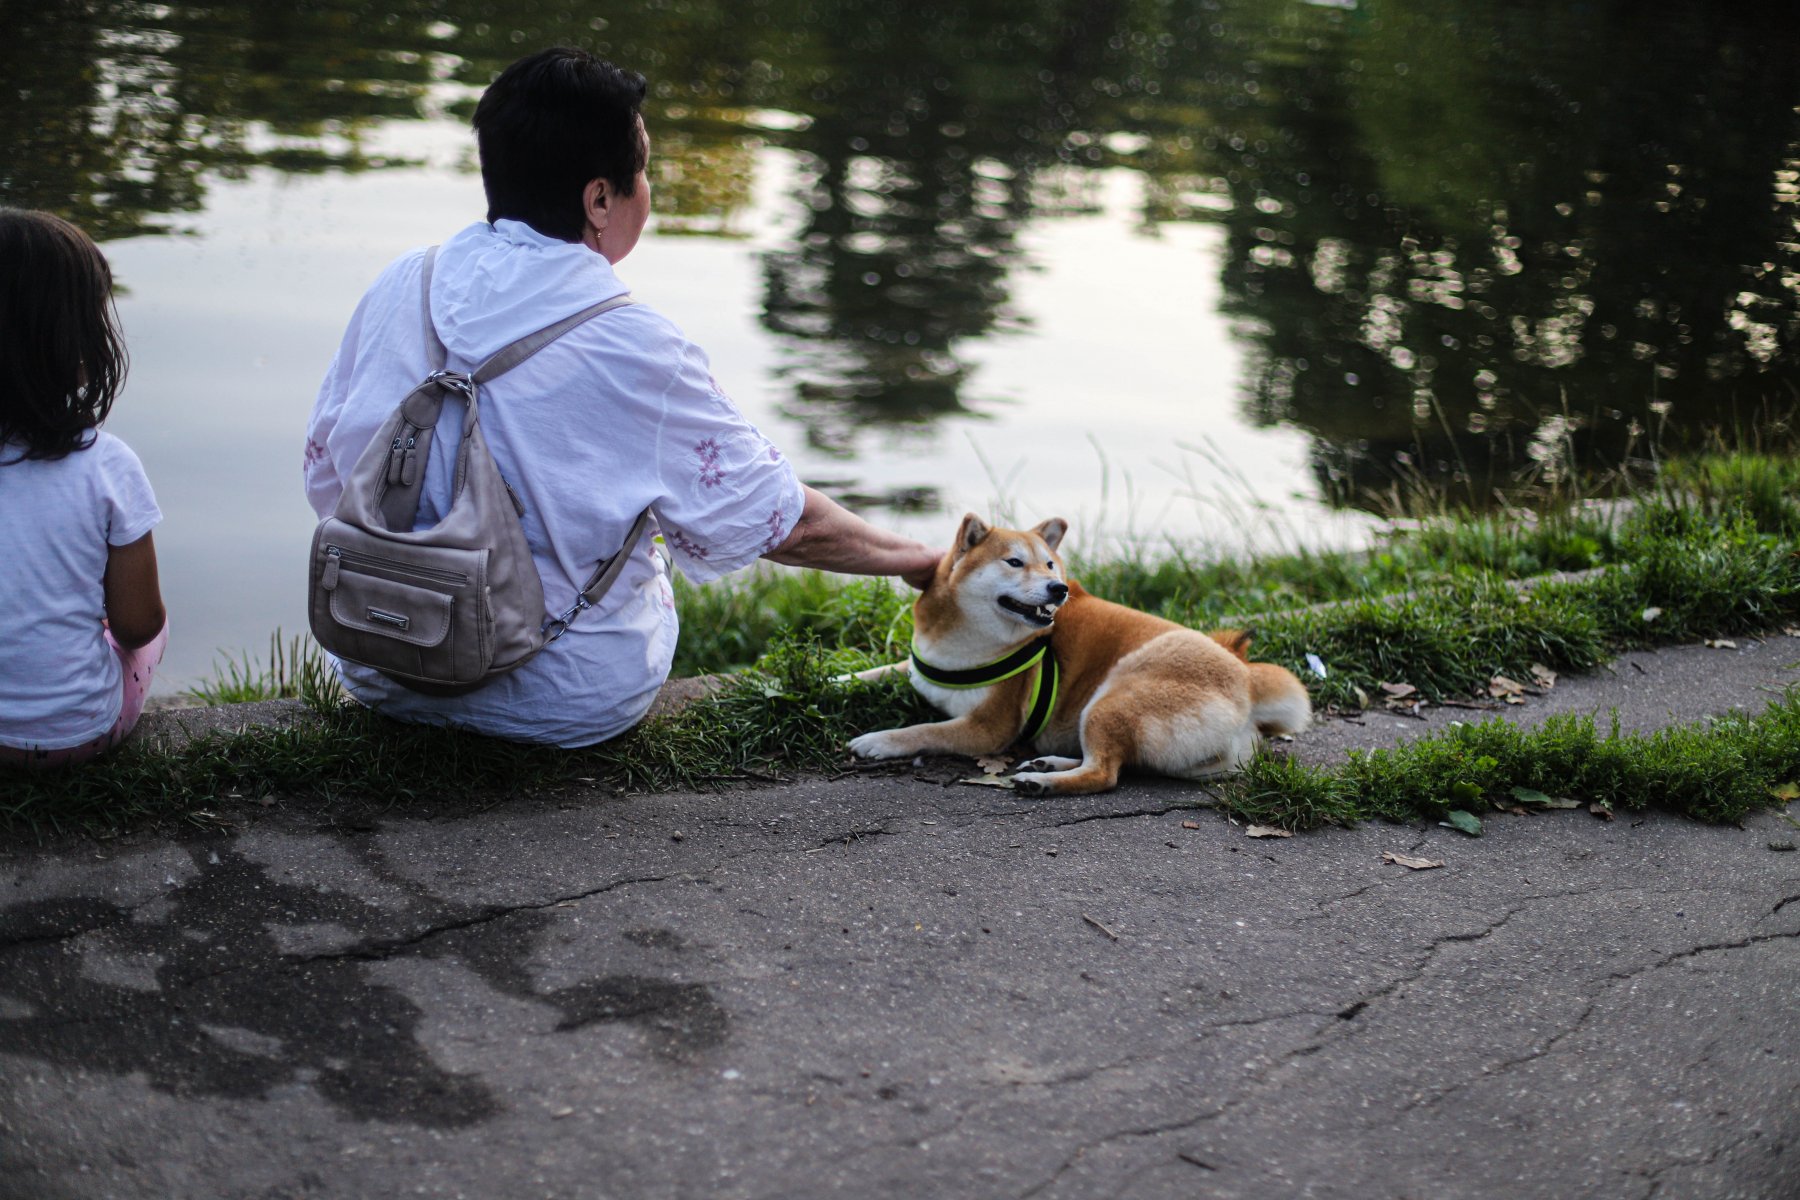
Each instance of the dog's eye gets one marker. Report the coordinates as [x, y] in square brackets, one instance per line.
[1013, 562]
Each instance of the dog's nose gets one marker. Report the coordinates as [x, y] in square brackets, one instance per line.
[1059, 592]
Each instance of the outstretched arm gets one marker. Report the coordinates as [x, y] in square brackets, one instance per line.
[830, 537]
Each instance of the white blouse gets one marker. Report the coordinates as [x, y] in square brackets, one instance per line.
[617, 415]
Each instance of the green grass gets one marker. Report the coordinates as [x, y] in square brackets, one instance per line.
[787, 715]
[1679, 574]
[1714, 771]
[1766, 488]
[1711, 552]
[727, 627]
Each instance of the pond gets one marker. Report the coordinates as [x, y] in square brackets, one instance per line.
[1228, 273]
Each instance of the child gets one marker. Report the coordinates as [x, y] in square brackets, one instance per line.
[81, 615]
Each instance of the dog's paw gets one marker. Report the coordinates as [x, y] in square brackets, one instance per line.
[883, 743]
[1050, 763]
[1032, 784]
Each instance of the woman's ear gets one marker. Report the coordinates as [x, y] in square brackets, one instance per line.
[594, 200]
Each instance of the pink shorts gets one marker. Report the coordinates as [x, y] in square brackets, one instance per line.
[137, 667]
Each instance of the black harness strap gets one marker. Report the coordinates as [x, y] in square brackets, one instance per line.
[1043, 697]
[1025, 656]
[1033, 654]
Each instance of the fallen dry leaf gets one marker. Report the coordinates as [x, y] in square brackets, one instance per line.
[1267, 831]
[994, 781]
[1546, 678]
[1190, 824]
[1500, 685]
[1408, 861]
[1721, 643]
[1786, 791]
[1791, 631]
[993, 764]
[1651, 613]
[1601, 809]
[1398, 690]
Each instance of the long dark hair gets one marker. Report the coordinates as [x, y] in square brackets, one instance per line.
[61, 357]
[546, 126]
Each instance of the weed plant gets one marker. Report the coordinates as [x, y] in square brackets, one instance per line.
[296, 669]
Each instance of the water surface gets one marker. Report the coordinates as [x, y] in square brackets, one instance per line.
[1230, 272]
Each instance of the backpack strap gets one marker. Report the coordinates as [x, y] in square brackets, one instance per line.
[604, 576]
[434, 345]
[510, 356]
[497, 364]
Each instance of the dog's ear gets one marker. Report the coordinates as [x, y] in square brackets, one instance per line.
[1235, 640]
[1052, 531]
[970, 534]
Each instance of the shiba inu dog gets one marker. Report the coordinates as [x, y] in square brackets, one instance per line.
[1011, 651]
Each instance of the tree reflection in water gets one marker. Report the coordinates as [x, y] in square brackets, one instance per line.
[1475, 240]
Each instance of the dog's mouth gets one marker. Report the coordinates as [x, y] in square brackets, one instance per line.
[1040, 615]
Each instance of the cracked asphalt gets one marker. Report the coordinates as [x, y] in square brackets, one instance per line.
[893, 985]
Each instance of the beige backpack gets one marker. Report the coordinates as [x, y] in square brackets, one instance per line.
[446, 609]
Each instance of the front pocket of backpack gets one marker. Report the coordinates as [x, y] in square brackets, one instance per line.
[390, 610]
[416, 613]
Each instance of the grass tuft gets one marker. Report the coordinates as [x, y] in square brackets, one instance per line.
[1715, 771]
[297, 669]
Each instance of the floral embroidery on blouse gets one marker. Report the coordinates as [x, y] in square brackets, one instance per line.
[685, 544]
[711, 473]
[774, 454]
[314, 453]
[775, 525]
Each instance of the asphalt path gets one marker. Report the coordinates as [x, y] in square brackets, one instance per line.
[895, 984]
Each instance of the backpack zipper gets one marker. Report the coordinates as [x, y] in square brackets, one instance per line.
[403, 457]
[336, 558]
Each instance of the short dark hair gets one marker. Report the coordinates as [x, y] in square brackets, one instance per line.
[550, 123]
[61, 357]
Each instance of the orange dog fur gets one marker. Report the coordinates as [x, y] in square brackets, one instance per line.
[1136, 690]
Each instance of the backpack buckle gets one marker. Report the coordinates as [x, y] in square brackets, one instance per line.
[555, 627]
[455, 381]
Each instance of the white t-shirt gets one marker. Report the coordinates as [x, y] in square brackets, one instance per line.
[616, 416]
[59, 680]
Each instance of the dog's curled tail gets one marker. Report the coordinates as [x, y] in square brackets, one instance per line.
[1278, 701]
